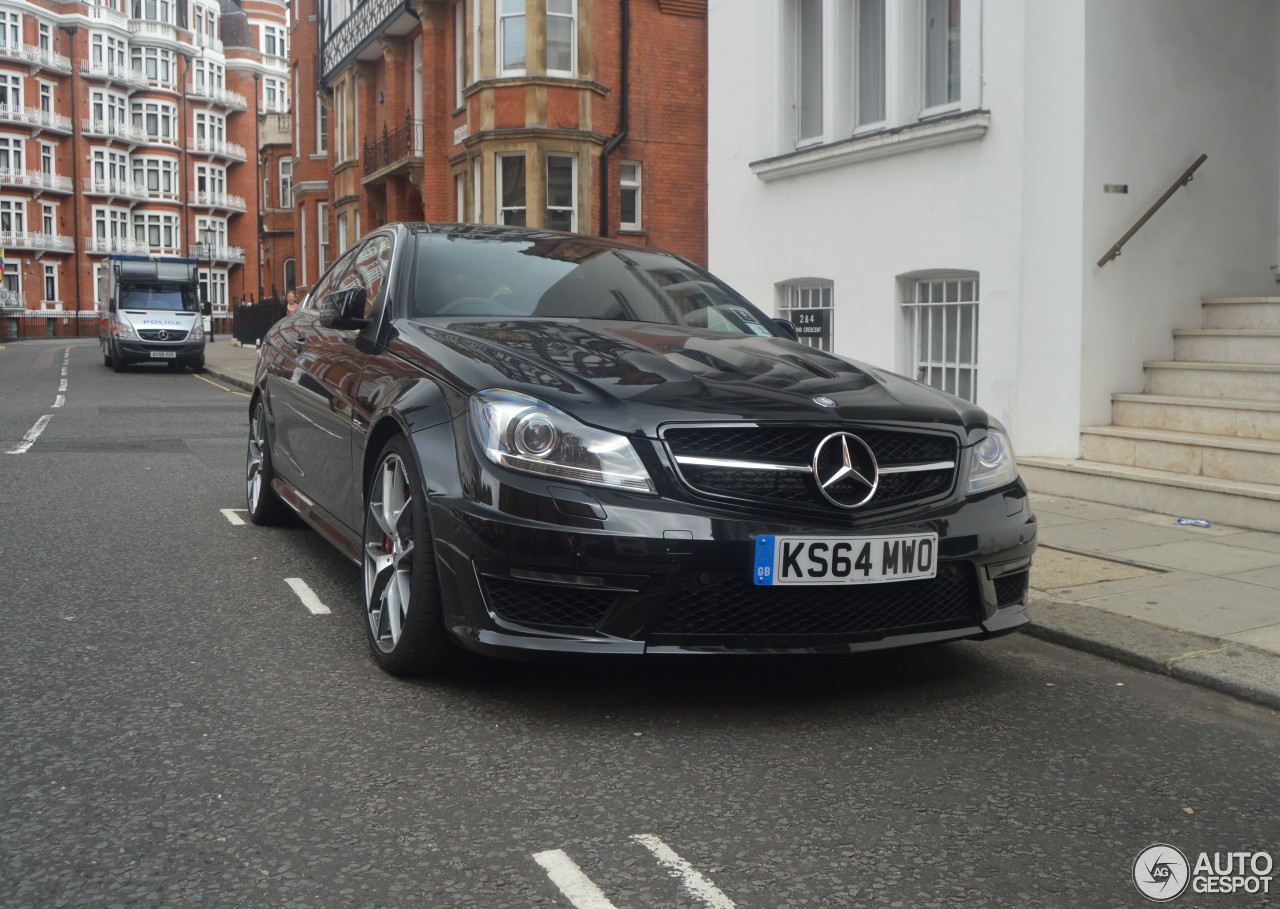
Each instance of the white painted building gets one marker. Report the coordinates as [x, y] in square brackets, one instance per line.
[878, 156]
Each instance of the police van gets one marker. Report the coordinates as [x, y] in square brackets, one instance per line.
[150, 310]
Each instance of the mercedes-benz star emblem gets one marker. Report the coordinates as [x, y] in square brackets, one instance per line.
[846, 470]
[823, 401]
[162, 335]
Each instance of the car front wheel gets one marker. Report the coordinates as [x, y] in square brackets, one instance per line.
[401, 590]
[264, 506]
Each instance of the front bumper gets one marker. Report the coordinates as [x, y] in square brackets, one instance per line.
[140, 351]
[529, 567]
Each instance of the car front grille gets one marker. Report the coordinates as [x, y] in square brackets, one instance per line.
[772, 464]
[557, 607]
[153, 334]
[728, 605]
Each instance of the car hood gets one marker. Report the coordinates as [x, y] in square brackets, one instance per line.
[633, 377]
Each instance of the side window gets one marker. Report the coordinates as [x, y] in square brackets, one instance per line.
[330, 282]
[370, 270]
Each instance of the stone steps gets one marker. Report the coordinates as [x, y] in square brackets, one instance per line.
[1243, 418]
[1197, 454]
[1226, 345]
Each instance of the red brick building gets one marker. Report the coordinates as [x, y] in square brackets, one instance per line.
[585, 115]
[134, 126]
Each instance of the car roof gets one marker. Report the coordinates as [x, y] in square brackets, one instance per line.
[502, 232]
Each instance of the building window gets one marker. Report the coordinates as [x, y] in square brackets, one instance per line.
[213, 281]
[109, 167]
[275, 94]
[156, 10]
[155, 64]
[107, 52]
[941, 52]
[286, 183]
[869, 62]
[158, 175]
[13, 216]
[322, 236]
[322, 126]
[340, 121]
[808, 56]
[290, 275]
[108, 111]
[212, 232]
[49, 219]
[511, 43]
[211, 129]
[460, 198]
[46, 97]
[630, 176]
[50, 283]
[807, 304]
[44, 37]
[157, 119]
[562, 192]
[156, 230]
[273, 41]
[11, 153]
[10, 29]
[459, 52]
[13, 282]
[942, 329]
[211, 180]
[511, 190]
[10, 90]
[110, 224]
[562, 38]
[47, 158]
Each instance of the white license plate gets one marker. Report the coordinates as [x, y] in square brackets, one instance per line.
[164, 354]
[845, 560]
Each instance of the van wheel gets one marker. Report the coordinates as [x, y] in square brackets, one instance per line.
[198, 365]
[106, 358]
[116, 363]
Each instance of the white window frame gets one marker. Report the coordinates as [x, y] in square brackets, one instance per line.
[47, 101]
[109, 109]
[11, 90]
[572, 207]
[633, 184]
[11, 279]
[50, 283]
[572, 17]
[500, 190]
[933, 323]
[322, 126]
[211, 231]
[144, 58]
[49, 218]
[507, 15]
[273, 41]
[952, 50]
[13, 148]
[214, 282]
[11, 29]
[213, 177]
[13, 215]
[322, 237]
[275, 94]
[44, 36]
[48, 159]
[163, 169]
[111, 223]
[805, 294]
[286, 183]
[163, 226]
[459, 51]
[164, 114]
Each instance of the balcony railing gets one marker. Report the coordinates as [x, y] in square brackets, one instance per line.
[115, 245]
[216, 200]
[10, 239]
[107, 16]
[393, 146]
[35, 179]
[33, 116]
[221, 96]
[29, 53]
[148, 29]
[114, 187]
[207, 42]
[113, 72]
[217, 147]
[113, 130]
[215, 253]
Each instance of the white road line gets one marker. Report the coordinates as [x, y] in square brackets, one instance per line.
[565, 874]
[32, 434]
[62, 386]
[230, 515]
[308, 596]
[59, 400]
[693, 881]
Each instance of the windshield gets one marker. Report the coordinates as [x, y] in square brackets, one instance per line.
[565, 277]
[174, 297]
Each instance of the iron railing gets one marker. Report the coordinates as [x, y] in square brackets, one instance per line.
[394, 145]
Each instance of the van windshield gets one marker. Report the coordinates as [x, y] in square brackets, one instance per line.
[174, 297]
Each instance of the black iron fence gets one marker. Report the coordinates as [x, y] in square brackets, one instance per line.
[19, 325]
[251, 322]
[405, 141]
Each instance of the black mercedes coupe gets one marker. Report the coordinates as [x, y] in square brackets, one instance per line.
[542, 443]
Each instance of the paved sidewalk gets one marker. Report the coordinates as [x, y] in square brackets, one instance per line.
[1200, 604]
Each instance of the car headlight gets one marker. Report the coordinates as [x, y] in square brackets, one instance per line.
[125, 331]
[525, 434]
[197, 332]
[993, 463]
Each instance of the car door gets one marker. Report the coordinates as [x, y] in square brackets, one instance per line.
[329, 376]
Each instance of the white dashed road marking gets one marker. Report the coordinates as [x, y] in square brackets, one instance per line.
[697, 885]
[32, 434]
[230, 515]
[565, 874]
[308, 596]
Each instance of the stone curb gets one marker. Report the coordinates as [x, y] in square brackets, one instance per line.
[1225, 666]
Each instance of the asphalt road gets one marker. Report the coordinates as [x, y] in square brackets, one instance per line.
[178, 728]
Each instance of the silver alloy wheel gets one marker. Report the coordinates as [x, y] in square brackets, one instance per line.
[388, 553]
[253, 461]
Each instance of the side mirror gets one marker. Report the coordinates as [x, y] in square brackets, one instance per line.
[787, 328]
[344, 309]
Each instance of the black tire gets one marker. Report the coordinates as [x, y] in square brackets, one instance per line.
[116, 363]
[401, 589]
[198, 365]
[264, 506]
[106, 356]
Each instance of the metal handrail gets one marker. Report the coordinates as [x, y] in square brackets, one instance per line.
[1182, 181]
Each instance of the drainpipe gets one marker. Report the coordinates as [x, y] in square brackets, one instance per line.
[624, 119]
